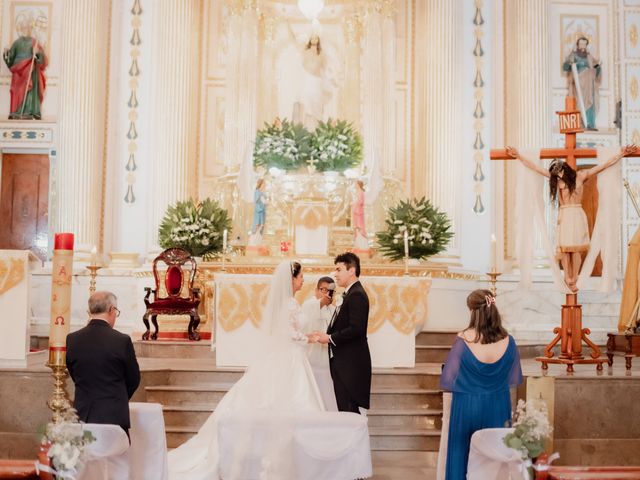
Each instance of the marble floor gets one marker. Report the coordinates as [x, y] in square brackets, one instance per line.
[404, 465]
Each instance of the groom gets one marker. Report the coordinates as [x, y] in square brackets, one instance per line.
[349, 358]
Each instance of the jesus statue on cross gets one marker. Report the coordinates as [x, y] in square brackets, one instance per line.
[567, 187]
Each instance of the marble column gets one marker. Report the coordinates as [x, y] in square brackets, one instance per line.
[528, 96]
[437, 145]
[84, 61]
[176, 61]
[527, 82]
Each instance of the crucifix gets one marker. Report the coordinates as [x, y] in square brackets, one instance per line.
[570, 334]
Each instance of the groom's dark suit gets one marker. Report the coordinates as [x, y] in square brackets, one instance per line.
[349, 357]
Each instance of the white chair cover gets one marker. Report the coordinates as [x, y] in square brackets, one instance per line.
[148, 452]
[444, 436]
[107, 457]
[323, 446]
[489, 457]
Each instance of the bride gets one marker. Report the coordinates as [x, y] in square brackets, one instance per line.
[281, 381]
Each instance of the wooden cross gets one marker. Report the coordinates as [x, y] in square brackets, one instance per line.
[570, 333]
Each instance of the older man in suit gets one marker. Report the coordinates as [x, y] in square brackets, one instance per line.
[349, 357]
[103, 365]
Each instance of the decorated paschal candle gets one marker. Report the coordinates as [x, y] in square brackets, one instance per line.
[61, 275]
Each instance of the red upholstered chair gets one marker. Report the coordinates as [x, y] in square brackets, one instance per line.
[174, 293]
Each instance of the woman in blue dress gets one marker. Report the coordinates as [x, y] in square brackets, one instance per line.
[482, 366]
[259, 209]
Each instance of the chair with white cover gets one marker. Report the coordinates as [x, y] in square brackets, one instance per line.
[489, 457]
[318, 446]
[148, 452]
[107, 458]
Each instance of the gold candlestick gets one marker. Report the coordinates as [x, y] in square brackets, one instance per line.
[93, 273]
[59, 401]
[493, 279]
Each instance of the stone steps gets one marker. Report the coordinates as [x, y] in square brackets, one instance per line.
[174, 349]
[432, 353]
[194, 415]
[382, 438]
[436, 338]
[392, 398]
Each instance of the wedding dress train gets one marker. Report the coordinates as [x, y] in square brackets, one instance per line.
[281, 383]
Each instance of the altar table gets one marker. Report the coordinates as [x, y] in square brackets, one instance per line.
[397, 309]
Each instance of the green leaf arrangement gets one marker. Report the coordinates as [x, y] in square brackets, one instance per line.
[336, 146]
[282, 144]
[196, 227]
[429, 230]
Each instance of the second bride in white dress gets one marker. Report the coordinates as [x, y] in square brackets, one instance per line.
[280, 381]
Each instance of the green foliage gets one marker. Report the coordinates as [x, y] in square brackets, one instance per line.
[336, 145]
[428, 229]
[531, 429]
[282, 144]
[196, 227]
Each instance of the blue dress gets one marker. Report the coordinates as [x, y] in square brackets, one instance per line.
[480, 398]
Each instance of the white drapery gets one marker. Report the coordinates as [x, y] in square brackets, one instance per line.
[605, 236]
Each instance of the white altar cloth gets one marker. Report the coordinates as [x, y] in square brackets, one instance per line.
[322, 446]
[489, 457]
[398, 306]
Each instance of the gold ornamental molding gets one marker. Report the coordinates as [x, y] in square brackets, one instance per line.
[311, 216]
[633, 88]
[11, 273]
[478, 111]
[635, 136]
[633, 35]
[132, 103]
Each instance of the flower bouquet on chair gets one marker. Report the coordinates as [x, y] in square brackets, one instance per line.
[531, 432]
[62, 447]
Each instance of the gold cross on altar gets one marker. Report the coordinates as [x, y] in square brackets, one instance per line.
[312, 164]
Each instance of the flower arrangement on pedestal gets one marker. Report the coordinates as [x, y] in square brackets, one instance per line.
[531, 431]
[64, 443]
[336, 146]
[282, 144]
[428, 230]
[196, 227]
[333, 146]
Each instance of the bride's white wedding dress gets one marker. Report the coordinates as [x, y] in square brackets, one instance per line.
[281, 382]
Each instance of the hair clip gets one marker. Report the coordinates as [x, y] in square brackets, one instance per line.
[489, 299]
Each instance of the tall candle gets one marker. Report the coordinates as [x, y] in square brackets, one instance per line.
[94, 255]
[406, 243]
[224, 241]
[494, 267]
[61, 274]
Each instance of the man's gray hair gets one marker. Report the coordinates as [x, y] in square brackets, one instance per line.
[101, 302]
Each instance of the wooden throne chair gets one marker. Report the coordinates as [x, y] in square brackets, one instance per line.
[174, 293]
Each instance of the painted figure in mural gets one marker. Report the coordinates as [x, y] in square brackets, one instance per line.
[27, 61]
[259, 208]
[589, 73]
[567, 186]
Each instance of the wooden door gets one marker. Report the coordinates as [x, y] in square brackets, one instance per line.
[24, 202]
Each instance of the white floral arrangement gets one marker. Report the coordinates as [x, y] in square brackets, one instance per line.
[196, 227]
[281, 144]
[336, 145]
[532, 431]
[66, 442]
[428, 230]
